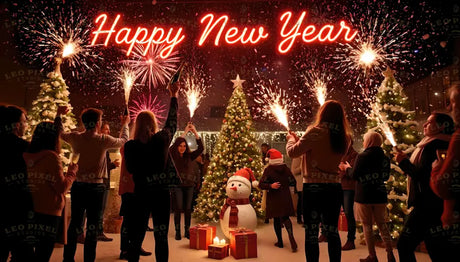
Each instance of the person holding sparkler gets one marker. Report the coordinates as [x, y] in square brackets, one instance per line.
[183, 160]
[371, 169]
[87, 192]
[427, 206]
[445, 181]
[147, 159]
[322, 146]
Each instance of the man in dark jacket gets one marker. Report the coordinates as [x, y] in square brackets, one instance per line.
[15, 198]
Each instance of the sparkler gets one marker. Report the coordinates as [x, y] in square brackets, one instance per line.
[387, 131]
[382, 123]
[147, 103]
[152, 69]
[127, 77]
[276, 102]
[318, 83]
[194, 92]
[60, 35]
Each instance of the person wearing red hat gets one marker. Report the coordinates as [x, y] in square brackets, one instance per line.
[277, 179]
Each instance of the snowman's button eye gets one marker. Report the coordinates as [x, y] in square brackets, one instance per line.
[239, 184]
[233, 184]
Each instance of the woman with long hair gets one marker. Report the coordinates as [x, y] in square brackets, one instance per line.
[322, 146]
[183, 159]
[48, 185]
[371, 169]
[147, 159]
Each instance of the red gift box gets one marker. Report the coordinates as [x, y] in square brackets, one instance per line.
[201, 236]
[218, 251]
[243, 243]
[343, 224]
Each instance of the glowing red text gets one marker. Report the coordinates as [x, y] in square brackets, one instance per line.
[169, 37]
[290, 32]
[217, 30]
[232, 35]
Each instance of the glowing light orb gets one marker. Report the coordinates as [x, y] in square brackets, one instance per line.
[368, 56]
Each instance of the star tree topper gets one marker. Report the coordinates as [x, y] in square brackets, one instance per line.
[237, 82]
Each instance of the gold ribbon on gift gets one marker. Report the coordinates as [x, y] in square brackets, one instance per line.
[201, 226]
[246, 246]
[241, 230]
[197, 239]
[216, 251]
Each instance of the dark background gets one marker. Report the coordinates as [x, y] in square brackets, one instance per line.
[427, 65]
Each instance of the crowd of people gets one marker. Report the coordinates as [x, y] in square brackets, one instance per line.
[157, 176]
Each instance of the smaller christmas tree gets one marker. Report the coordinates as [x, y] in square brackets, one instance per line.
[392, 106]
[236, 148]
[54, 93]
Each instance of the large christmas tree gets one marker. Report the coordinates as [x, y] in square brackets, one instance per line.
[236, 148]
[392, 106]
[53, 93]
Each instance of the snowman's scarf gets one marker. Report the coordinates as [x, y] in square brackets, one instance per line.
[232, 203]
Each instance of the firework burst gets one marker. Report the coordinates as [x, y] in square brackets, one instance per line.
[370, 52]
[151, 69]
[147, 103]
[58, 33]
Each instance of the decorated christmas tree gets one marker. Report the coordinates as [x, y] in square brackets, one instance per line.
[53, 93]
[236, 148]
[392, 107]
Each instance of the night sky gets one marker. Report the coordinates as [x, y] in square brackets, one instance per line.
[421, 43]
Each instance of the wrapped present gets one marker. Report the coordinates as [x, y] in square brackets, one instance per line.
[243, 243]
[343, 224]
[218, 251]
[201, 236]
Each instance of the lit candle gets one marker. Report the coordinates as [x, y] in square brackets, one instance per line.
[222, 242]
[216, 241]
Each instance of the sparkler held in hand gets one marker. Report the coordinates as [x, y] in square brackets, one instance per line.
[194, 91]
[127, 77]
[275, 101]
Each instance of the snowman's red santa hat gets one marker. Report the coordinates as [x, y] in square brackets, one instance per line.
[245, 176]
[274, 157]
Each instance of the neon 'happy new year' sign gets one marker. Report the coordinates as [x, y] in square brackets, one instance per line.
[218, 30]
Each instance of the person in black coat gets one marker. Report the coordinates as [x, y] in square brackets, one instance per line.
[183, 159]
[15, 198]
[147, 159]
[277, 180]
[371, 169]
[423, 220]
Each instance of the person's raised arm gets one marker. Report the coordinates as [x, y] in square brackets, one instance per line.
[112, 142]
[297, 147]
[171, 122]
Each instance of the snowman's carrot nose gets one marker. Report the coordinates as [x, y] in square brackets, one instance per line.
[233, 188]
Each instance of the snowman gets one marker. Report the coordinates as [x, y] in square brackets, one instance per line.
[237, 211]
